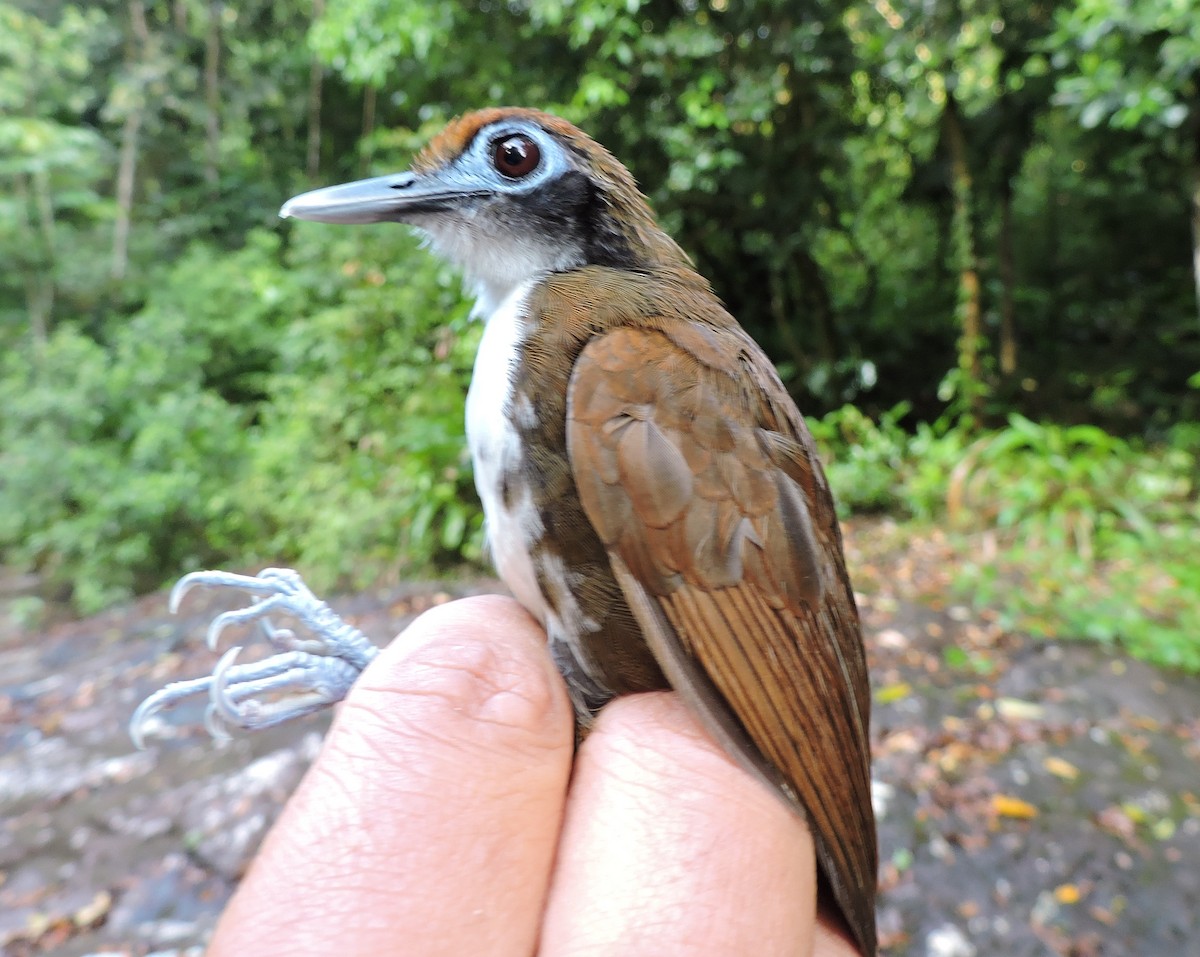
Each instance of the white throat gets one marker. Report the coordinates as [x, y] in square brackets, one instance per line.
[496, 261]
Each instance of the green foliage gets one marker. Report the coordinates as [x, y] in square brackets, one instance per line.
[50, 166]
[362, 466]
[863, 457]
[121, 460]
[116, 466]
[1131, 64]
[879, 465]
[1068, 530]
[302, 408]
[1075, 532]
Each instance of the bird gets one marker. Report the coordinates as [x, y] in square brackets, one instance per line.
[651, 492]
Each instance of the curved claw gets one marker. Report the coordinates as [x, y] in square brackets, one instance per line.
[182, 587]
[220, 701]
[212, 637]
[144, 711]
[270, 580]
[214, 725]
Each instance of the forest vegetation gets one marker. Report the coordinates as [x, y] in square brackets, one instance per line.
[968, 233]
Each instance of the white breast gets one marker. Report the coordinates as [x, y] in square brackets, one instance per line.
[496, 451]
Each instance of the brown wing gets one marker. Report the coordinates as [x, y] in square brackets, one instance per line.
[702, 483]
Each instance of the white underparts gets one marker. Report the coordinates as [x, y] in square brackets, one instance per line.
[496, 451]
[513, 522]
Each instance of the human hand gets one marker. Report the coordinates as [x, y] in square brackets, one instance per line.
[443, 817]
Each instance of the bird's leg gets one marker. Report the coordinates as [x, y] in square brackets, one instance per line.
[306, 675]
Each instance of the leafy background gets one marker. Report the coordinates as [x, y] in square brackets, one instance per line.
[965, 233]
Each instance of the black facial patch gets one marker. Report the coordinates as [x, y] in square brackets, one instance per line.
[570, 206]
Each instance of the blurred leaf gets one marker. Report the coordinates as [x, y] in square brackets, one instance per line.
[1061, 768]
[1008, 806]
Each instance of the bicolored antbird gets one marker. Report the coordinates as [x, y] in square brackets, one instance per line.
[652, 495]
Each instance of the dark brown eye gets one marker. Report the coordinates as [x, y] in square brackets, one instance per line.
[516, 156]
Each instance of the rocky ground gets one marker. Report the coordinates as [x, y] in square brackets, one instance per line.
[1036, 798]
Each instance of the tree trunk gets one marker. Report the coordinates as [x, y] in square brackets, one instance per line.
[1049, 321]
[370, 95]
[1008, 280]
[38, 272]
[44, 202]
[970, 307]
[1195, 164]
[813, 302]
[212, 95]
[127, 163]
[784, 315]
[316, 77]
[126, 180]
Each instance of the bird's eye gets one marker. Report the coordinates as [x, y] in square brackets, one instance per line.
[516, 156]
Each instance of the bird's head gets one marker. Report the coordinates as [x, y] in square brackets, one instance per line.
[507, 195]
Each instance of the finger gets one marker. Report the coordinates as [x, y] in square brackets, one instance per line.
[670, 848]
[428, 823]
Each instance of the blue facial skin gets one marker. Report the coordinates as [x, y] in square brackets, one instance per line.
[405, 197]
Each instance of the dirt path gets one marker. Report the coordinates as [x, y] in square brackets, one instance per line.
[1037, 798]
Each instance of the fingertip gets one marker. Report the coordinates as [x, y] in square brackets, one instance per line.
[682, 839]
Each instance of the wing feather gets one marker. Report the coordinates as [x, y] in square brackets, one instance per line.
[722, 537]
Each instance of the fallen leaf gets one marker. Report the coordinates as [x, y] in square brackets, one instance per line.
[1163, 829]
[1110, 914]
[1135, 812]
[894, 692]
[1060, 768]
[1067, 894]
[1116, 821]
[953, 724]
[892, 638]
[953, 756]
[1007, 806]
[1019, 710]
[1103, 915]
[900, 742]
[95, 911]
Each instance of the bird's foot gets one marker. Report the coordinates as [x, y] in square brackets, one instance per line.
[306, 675]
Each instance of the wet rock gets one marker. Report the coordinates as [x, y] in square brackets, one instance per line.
[170, 901]
[227, 816]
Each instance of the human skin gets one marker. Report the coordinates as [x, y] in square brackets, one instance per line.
[449, 814]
